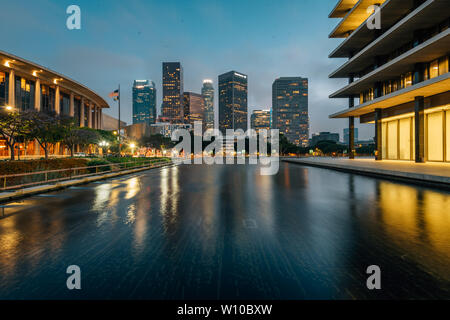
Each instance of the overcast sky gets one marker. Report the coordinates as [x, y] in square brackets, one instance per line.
[121, 41]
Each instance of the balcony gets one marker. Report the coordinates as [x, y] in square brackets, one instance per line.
[400, 34]
[342, 8]
[431, 49]
[354, 18]
[426, 89]
[391, 12]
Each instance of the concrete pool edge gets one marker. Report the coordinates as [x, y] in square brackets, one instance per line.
[23, 193]
[422, 179]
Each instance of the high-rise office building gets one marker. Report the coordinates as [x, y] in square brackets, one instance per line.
[233, 97]
[290, 109]
[144, 102]
[172, 107]
[260, 120]
[399, 71]
[208, 96]
[194, 108]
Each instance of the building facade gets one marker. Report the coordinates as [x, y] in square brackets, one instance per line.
[208, 96]
[25, 85]
[172, 106]
[290, 109]
[194, 108]
[399, 74]
[260, 120]
[233, 101]
[324, 136]
[144, 102]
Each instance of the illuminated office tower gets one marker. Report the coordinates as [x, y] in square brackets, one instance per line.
[194, 108]
[208, 96]
[290, 109]
[144, 102]
[260, 120]
[172, 107]
[233, 97]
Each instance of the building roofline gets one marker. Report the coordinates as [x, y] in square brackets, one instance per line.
[53, 74]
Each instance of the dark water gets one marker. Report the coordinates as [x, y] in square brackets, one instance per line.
[226, 232]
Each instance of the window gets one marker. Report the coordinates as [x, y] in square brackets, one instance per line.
[435, 136]
[24, 93]
[4, 80]
[65, 104]
[47, 99]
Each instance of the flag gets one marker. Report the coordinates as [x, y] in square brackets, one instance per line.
[115, 95]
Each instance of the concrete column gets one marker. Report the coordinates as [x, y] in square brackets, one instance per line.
[37, 95]
[82, 113]
[100, 119]
[419, 123]
[95, 117]
[12, 89]
[90, 115]
[351, 138]
[72, 105]
[57, 100]
[378, 135]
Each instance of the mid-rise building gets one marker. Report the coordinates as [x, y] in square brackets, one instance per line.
[261, 120]
[324, 136]
[398, 71]
[172, 106]
[290, 109]
[208, 96]
[144, 102]
[194, 108]
[233, 101]
[25, 85]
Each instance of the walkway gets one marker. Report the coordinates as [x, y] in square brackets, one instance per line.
[436, 174]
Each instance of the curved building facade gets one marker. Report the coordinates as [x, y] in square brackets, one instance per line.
[25, 85]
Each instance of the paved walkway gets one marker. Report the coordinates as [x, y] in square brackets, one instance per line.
[424, 173]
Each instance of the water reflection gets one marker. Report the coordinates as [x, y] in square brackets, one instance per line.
[208, 232]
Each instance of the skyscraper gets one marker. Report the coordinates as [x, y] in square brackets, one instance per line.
[260, 120]
[144, 102]
[172, 107]
[208, 96]
[290, 108]
[194, 108]
[233, 96]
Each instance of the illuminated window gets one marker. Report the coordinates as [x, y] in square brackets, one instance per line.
[435, 136]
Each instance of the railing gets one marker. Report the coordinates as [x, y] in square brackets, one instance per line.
[23, 180]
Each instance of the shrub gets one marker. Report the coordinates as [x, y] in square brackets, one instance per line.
[98, 162]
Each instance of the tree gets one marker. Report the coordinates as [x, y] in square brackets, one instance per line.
[157, 141]
[13, 127]
[46, 129]
[286, 147]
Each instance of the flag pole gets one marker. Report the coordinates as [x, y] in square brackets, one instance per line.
[118, 133]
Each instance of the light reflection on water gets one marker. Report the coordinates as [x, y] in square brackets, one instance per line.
[228, 232]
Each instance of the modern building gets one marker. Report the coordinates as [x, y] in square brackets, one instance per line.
[111, 124]
[347, 135]
[399, 74]
[290, 109]
[25, 85]
[144, 102]
[194, 108]
[167, 128]
[260, 120]
[172, 106]
[233, 101]
[324, 136]
[208, 96]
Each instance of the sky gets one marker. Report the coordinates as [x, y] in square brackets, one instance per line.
[121, 41]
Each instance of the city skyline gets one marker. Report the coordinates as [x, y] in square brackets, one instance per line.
[108, 54]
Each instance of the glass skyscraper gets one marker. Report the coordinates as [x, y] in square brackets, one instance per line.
[194, 108]
[208, 96]
[173, 90]
[260, 120]
[144, 102]
[290, 109]
[233, 101]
